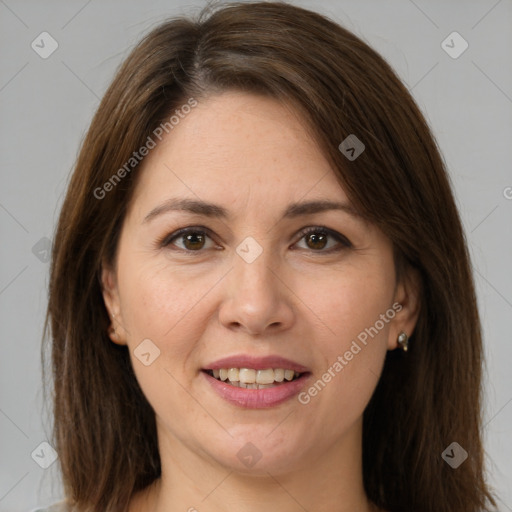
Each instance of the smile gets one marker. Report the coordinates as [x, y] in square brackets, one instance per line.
[253, 395]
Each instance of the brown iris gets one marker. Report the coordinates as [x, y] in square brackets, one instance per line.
[318, 240]
[194, 241]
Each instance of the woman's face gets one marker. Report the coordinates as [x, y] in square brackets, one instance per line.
[246, 282]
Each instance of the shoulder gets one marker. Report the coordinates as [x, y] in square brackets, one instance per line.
[56, 507]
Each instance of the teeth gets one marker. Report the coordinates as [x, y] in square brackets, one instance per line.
[233, 374]
[265, 376]
[279, 375]
[247, 376]
[288, 374]
[254, 379]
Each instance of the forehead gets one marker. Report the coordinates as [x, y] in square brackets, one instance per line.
[234, 147]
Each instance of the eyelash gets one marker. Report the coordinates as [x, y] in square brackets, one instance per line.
[200, 230]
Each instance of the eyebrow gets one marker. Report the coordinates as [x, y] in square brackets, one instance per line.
[212, 210]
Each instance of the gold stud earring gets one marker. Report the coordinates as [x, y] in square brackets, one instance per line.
[403, 341]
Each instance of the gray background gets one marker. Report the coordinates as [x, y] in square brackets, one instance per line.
[47, 104]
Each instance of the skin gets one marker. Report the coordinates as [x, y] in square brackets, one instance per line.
[253, 156]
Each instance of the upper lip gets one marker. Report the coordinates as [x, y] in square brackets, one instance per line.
[256, 363]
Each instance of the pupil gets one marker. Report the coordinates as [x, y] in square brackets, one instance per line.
[194, 241]
[318, 240]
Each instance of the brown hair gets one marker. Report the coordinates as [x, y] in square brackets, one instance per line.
[104, 428]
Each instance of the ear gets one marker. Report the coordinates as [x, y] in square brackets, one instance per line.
[406, 305]
[110, 292]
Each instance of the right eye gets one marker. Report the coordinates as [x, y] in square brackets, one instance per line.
[192, 239]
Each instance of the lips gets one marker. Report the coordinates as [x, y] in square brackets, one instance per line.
[256, 383]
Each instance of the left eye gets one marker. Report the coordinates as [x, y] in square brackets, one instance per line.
[192, 239]
[317, 239]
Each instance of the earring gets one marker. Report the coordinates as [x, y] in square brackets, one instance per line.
[403, 341]
[112, 329]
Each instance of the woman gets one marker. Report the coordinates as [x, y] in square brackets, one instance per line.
[260, 290]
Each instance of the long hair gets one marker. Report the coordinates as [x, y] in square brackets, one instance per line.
[104, 428]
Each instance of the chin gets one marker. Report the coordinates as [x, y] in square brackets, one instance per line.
[258, 453]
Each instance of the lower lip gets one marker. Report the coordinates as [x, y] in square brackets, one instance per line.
[257, 398]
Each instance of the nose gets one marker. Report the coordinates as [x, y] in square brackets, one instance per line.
[257, 299]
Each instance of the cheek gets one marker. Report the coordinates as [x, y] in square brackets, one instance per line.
[157, 299]
[352, 306]
[164, 306]
[350, 301]
[170, 306]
